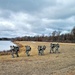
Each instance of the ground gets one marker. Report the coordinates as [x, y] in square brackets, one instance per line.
[62, 63]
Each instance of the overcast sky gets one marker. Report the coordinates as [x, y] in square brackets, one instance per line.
[36, 17]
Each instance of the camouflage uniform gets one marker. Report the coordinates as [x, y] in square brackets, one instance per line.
[28, 49]
[41, 50]
[44, 47]
[52, 48]
[14, 50]
[56, 48]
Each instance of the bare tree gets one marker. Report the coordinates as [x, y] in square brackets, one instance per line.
[73, 31]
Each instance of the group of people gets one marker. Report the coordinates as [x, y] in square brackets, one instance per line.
[53, 49]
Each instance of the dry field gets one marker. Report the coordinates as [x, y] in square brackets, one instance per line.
[62, 63]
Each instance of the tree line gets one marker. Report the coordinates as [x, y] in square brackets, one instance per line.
[55, 36]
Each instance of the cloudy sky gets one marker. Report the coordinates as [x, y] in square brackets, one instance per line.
[36, 17]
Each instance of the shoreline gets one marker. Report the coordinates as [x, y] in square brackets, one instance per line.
[8, 52]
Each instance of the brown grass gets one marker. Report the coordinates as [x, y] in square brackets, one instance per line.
[62, 63]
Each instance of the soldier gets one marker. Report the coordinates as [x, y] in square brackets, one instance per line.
[14, 50]
[56, 48]
[44, 47]
[41, 50]
[52, 46]
[28, 49]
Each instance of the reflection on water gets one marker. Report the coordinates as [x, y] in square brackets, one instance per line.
[5, 45]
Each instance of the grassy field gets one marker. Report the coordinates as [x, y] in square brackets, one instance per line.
[62, 63]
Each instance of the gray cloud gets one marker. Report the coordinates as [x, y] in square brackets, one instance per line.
[32, 17]
[25, 5]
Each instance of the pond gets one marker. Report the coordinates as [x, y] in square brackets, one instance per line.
[5, 45]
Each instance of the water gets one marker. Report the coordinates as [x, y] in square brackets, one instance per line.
[5, 45]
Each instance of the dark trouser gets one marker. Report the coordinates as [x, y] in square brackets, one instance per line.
[13, 52]
[52, 50]
[27, 53]
[16, 54]
[40, 52]
[56, 50]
